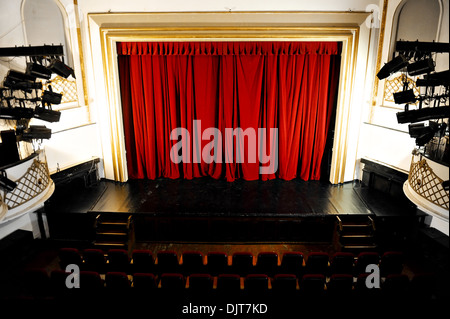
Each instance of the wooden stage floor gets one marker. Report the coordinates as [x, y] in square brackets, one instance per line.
[209, 197]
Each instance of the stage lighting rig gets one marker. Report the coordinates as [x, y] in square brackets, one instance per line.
[395, 65]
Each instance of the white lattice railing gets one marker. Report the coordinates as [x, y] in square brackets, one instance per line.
[30, 185]
[427, 184]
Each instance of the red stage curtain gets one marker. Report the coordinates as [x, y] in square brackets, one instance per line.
[286, 85]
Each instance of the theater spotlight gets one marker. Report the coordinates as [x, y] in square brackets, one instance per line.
[396, 64]
[15, 113]
[50, 97]
[60, 68]
[6, 183]
[46, 114]
[38, 70]
[423, 114]
[37, 132]
[404, 97]
[420, 67]
[21, 81]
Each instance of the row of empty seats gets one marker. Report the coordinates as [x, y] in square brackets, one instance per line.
[240, 263]
[339, 286]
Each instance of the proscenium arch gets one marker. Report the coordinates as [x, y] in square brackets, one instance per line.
[108, 29]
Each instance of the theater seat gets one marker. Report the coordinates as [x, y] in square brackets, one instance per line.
[340, 287]
[312, 286]
[94, 260]
[192, 263]
[317, 263]
[217, 263]
[172, 283]
[144, 282]
[284, 284]
[229, 285]
[117, 281]
[267, 263]
[342, 263]
[292, 263]
[242, 263]
[118, 260]
[90, 281]
[142, 261]
[201, 285]
[364, 259]
[69, 256]
[256, 286]
[168, 262]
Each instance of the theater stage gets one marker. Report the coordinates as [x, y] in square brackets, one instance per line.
[205, 209]
[209, 197]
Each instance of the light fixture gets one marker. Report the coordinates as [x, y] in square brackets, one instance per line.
[21, 81]
[15, 113]
[50, 97]
[424, 133]
[46, 114]
[38, 70]
[423, 114]
[60, 68]
[396, 64]
[403, 97]
[420, 67]
[37, 132]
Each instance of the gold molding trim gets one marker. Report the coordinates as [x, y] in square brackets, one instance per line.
[379, 57]
[109, 35]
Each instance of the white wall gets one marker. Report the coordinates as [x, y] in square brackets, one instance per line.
[63, 149]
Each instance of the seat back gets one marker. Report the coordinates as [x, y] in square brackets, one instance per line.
[201, 284]
[118, 260]
[69, 256]
[142, 261]
[364, 259]
[229, 284]
[267, 263]
[168, 262]
[256, 285]
[342, 263]
[90, 281]
[340, 286]
[94, 260]
[144, 282]
[192, 262]
[312, 285]
[172, 283]
[317, 263]
[242, 263]
[217, 263]
[284, 284]
[292, 263]
[117, 281]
